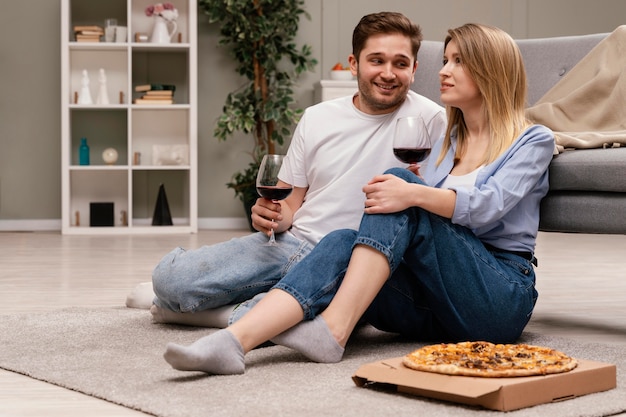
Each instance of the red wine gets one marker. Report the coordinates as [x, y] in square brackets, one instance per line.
[273, 192]
[411, 155]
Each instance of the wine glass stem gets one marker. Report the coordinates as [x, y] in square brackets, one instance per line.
[272, 241]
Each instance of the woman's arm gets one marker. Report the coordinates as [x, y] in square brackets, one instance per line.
[501, 185]
[389, 194]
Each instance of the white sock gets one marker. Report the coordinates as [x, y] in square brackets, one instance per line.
[141, 296]
[219, 353]
[215, 317]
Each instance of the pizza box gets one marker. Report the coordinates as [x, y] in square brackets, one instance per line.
[504, 394]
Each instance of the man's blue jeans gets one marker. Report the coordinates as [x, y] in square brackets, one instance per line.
[445, 285]
[225, 273]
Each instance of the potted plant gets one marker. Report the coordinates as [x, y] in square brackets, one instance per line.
[261, 36]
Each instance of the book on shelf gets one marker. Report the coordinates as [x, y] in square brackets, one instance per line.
[154, 101]
[149, 97]
[87, 38]
[154, 87]
[88, 33]
[155, 94]
[92, 28]
[159, 93]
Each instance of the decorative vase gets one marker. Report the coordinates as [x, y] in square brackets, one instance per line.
[83, 152]
[161, 32]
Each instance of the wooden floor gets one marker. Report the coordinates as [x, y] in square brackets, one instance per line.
[581, 280]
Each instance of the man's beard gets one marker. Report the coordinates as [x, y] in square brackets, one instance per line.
[365, 89]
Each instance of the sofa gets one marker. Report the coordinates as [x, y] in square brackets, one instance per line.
[587, 186]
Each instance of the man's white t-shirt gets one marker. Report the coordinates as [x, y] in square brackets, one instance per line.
[336, 149]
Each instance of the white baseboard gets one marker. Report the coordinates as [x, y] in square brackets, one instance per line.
[32, 225]
[223, 223]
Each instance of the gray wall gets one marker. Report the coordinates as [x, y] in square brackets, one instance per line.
[30, 179]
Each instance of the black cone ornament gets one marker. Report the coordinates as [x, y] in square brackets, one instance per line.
[162, 216]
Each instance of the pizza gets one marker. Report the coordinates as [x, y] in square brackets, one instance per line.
[484, 359]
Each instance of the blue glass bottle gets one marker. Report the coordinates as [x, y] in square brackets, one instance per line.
[83, 152]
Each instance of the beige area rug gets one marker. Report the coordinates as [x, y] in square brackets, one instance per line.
[116, 354]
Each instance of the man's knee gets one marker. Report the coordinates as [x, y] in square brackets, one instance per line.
[164, 273]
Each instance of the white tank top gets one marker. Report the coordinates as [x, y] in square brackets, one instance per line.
[466, 181]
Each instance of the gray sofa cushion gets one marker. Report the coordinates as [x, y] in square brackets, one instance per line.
[589, 170]
[583, 212]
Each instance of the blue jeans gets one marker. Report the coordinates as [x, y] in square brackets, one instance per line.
[225, 273]
[444, 286]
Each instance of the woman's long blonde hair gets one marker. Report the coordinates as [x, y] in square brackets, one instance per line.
[492, 59]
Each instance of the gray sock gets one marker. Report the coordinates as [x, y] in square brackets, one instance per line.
[218, 353]
[313, 339]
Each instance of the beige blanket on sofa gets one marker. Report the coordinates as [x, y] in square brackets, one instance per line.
[587, 107]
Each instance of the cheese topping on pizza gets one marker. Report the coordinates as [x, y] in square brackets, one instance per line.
[484, 359]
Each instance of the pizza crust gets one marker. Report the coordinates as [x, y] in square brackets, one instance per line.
[484, 359]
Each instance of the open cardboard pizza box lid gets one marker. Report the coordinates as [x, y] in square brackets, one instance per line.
[502, 394]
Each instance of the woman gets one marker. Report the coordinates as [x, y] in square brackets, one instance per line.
[443, 257]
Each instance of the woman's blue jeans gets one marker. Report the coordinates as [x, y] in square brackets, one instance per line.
[444, 286]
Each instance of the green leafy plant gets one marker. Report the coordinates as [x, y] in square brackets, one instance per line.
[260, 34]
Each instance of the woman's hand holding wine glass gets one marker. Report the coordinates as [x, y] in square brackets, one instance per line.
[411, 141]
[270, 187]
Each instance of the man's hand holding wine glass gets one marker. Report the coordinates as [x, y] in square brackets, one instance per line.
[273, 190]
[267, 215]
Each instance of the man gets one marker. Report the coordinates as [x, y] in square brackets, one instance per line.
[336, 148]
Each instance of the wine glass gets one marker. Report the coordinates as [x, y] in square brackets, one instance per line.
[269, 186]
[411, 140]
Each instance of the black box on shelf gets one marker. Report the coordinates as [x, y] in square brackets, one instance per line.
[101, 214]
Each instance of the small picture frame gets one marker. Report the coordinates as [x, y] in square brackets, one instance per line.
[170, 155]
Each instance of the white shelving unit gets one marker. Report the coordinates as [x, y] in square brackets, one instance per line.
[330, 89]
[133, 130]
